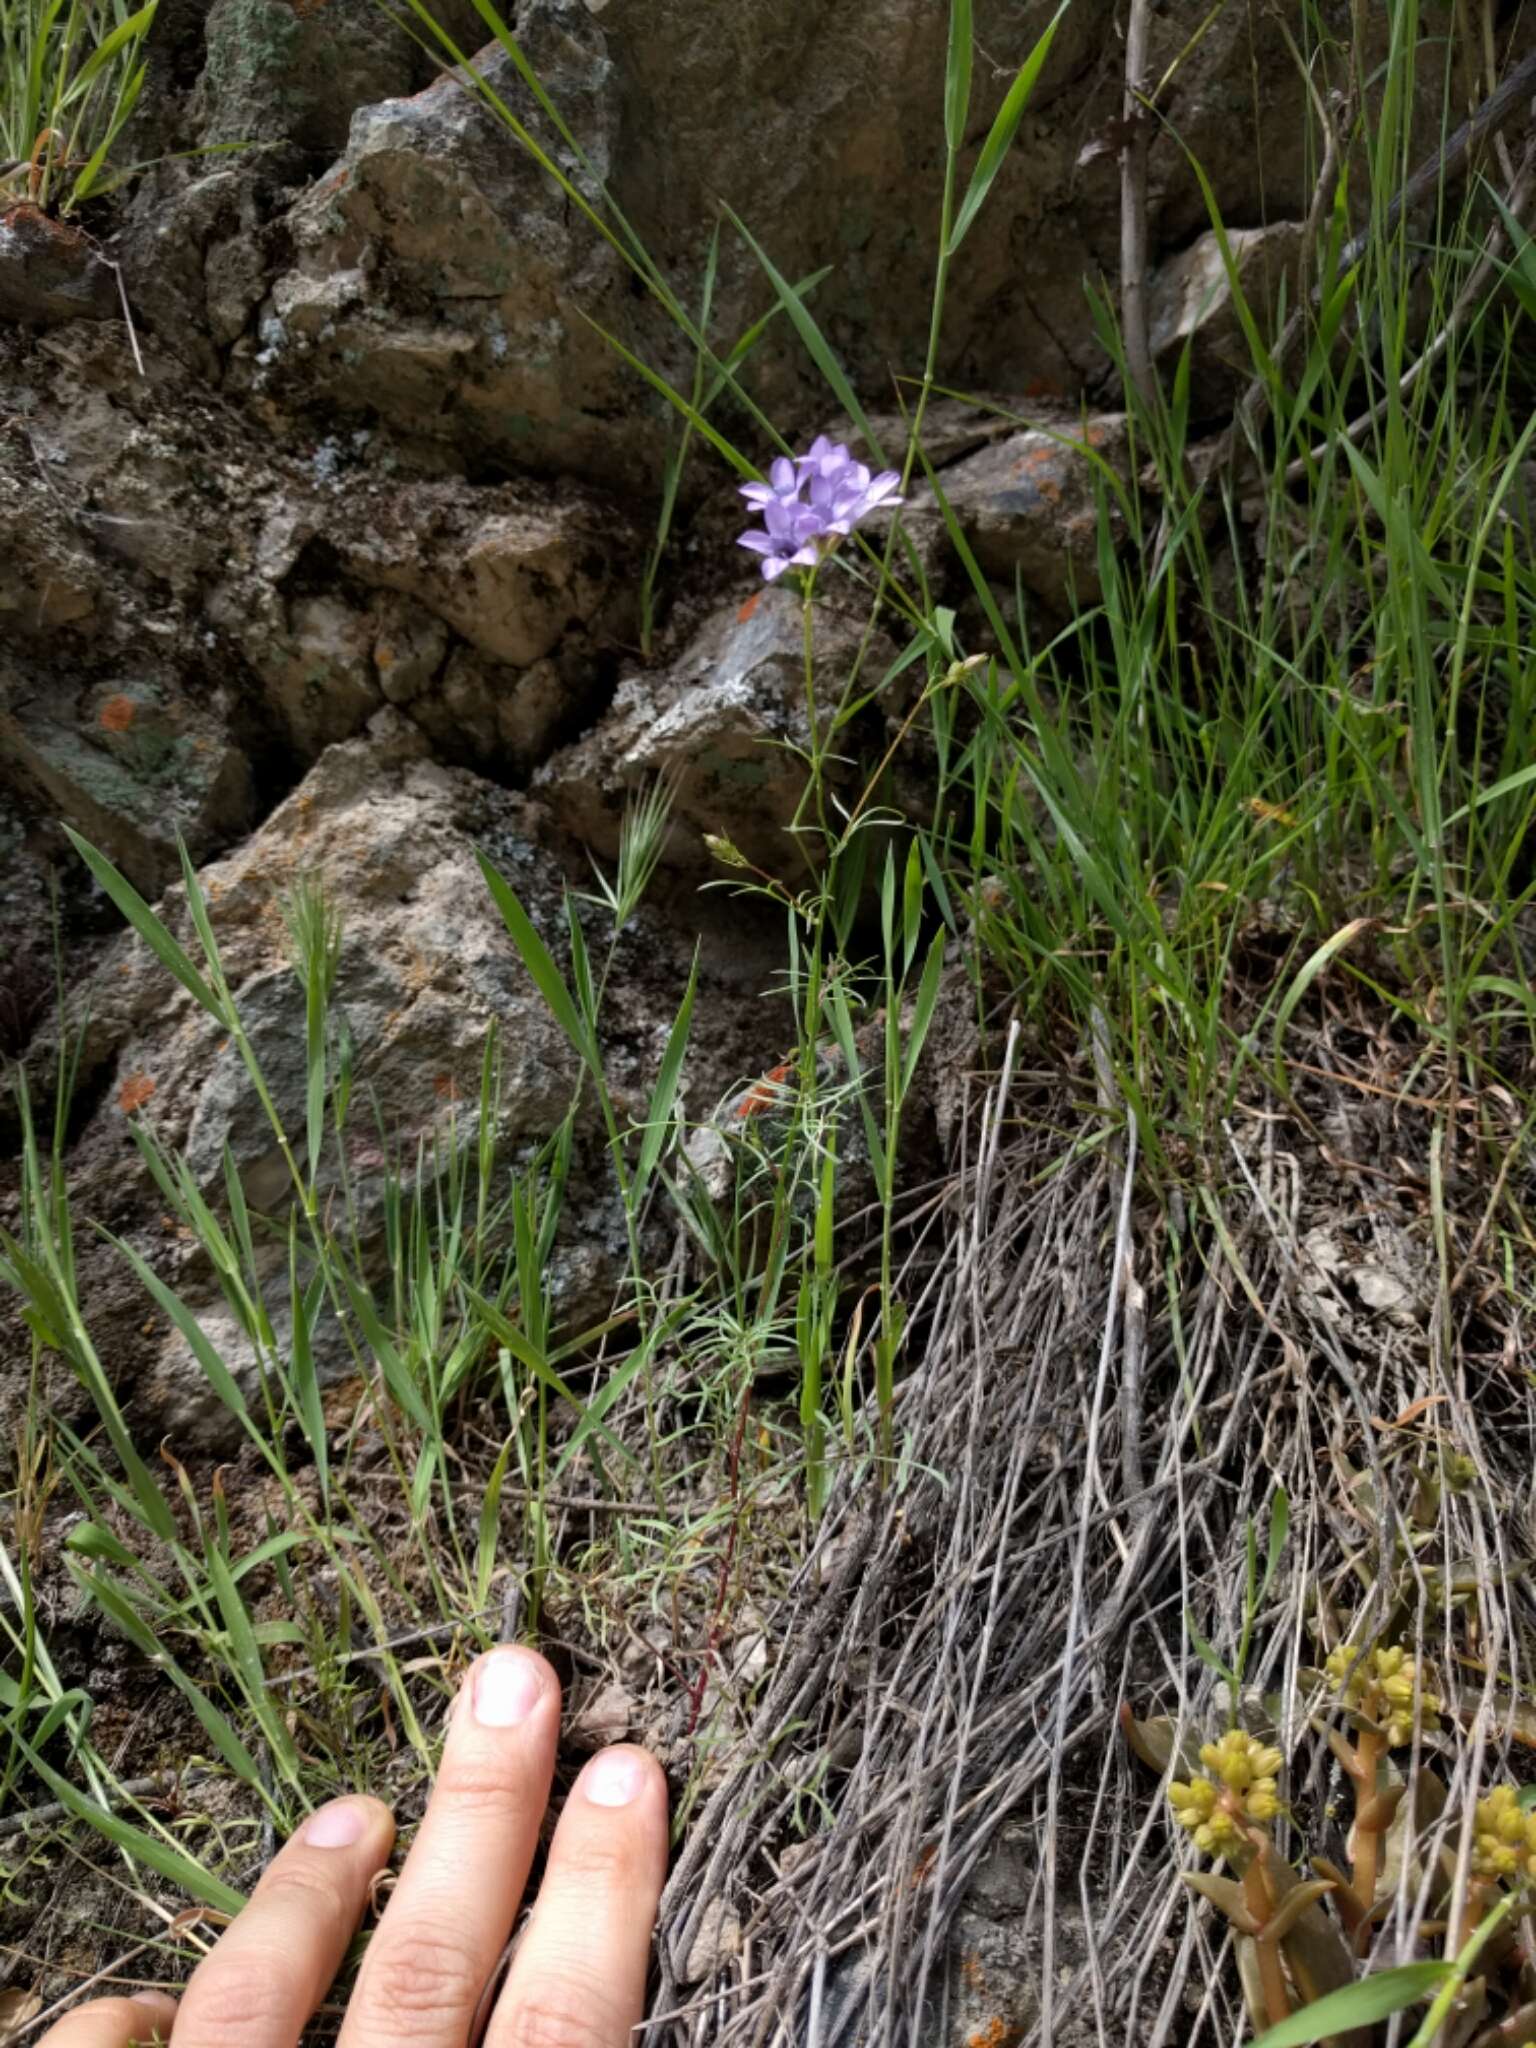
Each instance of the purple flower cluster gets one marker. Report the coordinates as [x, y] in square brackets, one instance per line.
[809, 503]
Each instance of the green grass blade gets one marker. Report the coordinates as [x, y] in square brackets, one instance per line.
[1311, 968]
[685, 407]
[535, 956]
[215, 1371]
[658, 1116]
[1003, 129]
[490, 1528]
[922, 1011]
[118, 1606]
[147, 925]
[816, 344]
[245, 1653]
[533, 1358]
[158, 1856]
[1357, 2005]
[957, 74]
[85, 183]
[398, 1378]
[304, 1305]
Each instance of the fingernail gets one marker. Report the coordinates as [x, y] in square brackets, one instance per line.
[508, 1686]
[336, 1826]
[614, 1777]
[155, 2014]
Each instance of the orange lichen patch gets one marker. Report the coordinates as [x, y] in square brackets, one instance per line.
[1043, 387]
[749, 607]
[971, 1969]
[995, 2033]
[118, 713]
[765, 1093]
[383, 656]
[134, 1093]
[923, 1866]
[445, 1088]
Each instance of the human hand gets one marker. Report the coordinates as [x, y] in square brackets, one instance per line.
[577, 1974]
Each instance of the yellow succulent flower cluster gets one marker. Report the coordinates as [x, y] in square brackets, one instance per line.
[1241, 1786]
[1504, 1844]
[1382, 1685]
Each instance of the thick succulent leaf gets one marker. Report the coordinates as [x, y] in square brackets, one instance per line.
[1226, 1894]
[1412, 1821]
[1312, 1946]
[1251, 1981]
[1296, 1902]
[1511, 1717]
[1159, 1742]
[1319, 1962]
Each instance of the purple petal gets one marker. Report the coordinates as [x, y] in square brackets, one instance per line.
[782, 474]
[774, 567]
[826, 458]
[757, 494]
[759, 543]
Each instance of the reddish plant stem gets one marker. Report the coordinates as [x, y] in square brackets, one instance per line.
[1259, 1894]
[1366, 1861]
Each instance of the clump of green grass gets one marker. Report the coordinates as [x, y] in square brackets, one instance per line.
[70, 77]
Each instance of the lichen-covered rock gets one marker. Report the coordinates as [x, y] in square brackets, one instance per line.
[1029, 505]
[280, 73]
[319, 670]
[726, 728]
[51, 271]
[994, 1957]
[192, 255]
[132, 764]
[435, 280]
[440, 276]
[489, 714]
[509, 571]
[1190, 302]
